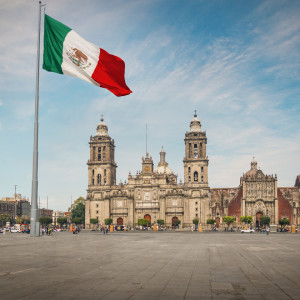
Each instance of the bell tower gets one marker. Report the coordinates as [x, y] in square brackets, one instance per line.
[195, 161]
[101, 165]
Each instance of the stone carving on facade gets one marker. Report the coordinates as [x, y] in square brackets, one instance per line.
[147, 196]
[260, 207]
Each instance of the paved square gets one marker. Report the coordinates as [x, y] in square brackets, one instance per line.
[150, 265]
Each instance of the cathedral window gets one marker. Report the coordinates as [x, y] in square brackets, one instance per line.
[200, 149]
[196, 176]
[97, 212]
[202, 178]
[190, 150]
[104, 181]
[99, 153]
[93, 172]
[196, 203]
[99, 178]
[189, 170]
[196, 215]
[104, 153]
[195, 151]
[202, 170]
[93, 181]
[189, 178]
[196, 208]
[104, 172]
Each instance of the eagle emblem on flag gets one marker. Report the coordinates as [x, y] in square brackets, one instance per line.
[78, 58]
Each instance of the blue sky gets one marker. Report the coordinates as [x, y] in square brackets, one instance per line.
[236, 62]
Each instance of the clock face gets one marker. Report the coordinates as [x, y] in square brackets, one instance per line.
[146, 168]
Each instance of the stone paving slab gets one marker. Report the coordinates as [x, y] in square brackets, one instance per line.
[150, 265]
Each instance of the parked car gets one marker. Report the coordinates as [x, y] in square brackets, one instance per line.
[247, 231]
[15, 230]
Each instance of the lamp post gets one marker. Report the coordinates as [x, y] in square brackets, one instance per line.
[15, 203]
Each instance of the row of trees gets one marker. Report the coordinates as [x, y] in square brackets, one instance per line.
[264, 221]
[77, 215]
[19, 220]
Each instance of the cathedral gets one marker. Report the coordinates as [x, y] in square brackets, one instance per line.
[154, 193]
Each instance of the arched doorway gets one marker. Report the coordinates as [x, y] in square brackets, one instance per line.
[258, 216]
[217, 222]
[173, 221]
[148, 217]
[119, 221]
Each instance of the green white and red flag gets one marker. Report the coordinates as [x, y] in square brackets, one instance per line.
[65, 52]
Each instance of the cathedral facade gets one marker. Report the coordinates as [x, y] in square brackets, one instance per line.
[154, 193]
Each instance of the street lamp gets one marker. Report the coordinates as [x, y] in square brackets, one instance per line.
[15, 203]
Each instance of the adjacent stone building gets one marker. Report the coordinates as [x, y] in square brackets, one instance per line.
[154, 193]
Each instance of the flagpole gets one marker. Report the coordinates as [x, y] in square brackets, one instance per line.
[34, 226]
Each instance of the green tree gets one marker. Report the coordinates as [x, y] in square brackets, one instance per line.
[176, 223]
[196, 221]
[25, 220]
[77, 220]
[108, 221]
[160, 222]
[78, 211]
[62, 221]
[19, 220]
[45, 221]
[246, 219]
[210, 222]
[94, 221]
[6, 218]
[143, 222]
[283, 222]
[265, 220]
[228, 220]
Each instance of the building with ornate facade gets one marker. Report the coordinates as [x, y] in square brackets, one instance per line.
[154, 193]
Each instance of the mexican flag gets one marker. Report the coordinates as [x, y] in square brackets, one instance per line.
[65, 52]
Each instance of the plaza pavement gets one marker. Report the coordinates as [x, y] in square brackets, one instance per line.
[150, 265]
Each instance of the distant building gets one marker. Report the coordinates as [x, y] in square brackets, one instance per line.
[44, 212]
[55, 215]
[18, 205]
[24, 209]
[7, 207]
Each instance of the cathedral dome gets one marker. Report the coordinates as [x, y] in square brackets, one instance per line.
[163, 170]
[195, 125]
[102, 129]
[253, 171]
[162, 167]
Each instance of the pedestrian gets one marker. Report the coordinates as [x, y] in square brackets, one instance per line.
[267, 230]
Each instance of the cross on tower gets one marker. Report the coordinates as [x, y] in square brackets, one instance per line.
[195, 115]
[102, 118]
